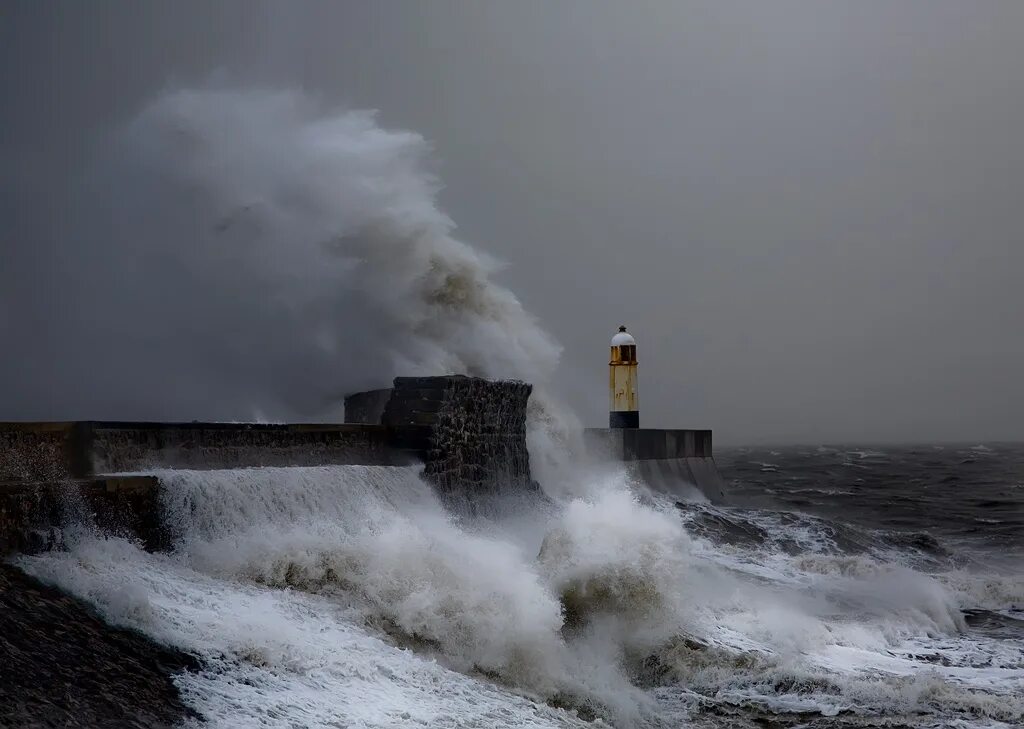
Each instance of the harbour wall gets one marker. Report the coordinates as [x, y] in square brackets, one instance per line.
[52, 474]
[469, 433]
[669, 461]
[57, 451]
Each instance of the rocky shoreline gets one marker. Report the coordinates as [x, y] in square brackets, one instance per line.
[62, 666]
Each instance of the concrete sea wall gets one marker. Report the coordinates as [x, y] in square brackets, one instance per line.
[634, 444]
[367, 407]
[31, 513]
[470, 434]
[669, 461]
[55, 451]
[66, 667]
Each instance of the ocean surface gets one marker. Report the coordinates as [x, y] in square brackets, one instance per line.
[840, 587]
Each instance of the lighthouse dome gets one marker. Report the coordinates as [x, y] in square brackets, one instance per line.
[623, 337]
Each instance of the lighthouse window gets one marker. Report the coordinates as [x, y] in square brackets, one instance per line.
[627, 352]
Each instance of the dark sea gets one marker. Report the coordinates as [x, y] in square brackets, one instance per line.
[945, 516]
[956, 502]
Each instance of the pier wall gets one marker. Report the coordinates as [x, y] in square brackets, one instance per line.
[669, 461]
[469, 433]
[56, 451]
[32, 513]
[367, 407]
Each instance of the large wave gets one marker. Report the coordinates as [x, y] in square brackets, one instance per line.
[306, 589]
[250, 253]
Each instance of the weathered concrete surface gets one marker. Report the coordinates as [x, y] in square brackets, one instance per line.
[634, 444]
[55, 451]
[367, 407]
[470, 432]
[31, 513]
[117, 447]
[63, 667]
[669, 461]
[673, 475]
[53, 473]
[40, 451]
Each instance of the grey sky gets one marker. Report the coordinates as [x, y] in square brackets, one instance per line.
[808, 213]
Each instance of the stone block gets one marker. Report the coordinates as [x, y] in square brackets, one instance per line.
[366, 407]
[476, 428]
[667, 460]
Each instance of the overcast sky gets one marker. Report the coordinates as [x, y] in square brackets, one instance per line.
[808, 213]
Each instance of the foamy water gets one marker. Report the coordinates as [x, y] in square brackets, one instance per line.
[348, 596]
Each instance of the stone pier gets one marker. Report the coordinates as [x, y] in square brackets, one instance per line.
[669, 461]
[469, 433]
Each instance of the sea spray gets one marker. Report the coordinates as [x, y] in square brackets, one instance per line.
[612, 555]
[309, 590]
[243, 252]
[279, 658]
[378, 542]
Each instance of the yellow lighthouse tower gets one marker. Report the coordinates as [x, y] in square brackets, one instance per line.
[622, 382]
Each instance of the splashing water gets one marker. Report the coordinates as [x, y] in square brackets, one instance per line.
[276, 257]
[233, 253]
[318, 593]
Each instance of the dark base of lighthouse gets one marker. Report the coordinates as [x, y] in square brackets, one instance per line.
[624, 419]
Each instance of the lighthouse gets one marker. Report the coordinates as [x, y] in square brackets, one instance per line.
[623, 411]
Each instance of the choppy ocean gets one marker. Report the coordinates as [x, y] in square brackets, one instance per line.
[847, 586]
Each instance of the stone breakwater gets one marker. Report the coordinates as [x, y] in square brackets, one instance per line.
[62, 666]
[41, 452]
[669, 461]
[470, 433]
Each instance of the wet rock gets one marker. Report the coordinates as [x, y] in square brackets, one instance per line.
[61, 666]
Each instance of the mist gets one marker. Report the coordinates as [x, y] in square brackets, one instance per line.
[808, 215]
[247, 252]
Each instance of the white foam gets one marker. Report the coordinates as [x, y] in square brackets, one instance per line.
[296, 584]
[277, 658]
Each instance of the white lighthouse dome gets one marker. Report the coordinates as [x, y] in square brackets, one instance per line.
[623, 337]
